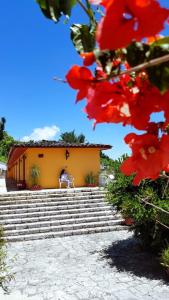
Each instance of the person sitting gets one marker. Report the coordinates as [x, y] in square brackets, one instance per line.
[64, 177]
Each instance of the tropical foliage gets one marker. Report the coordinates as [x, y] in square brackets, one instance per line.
[5, 145]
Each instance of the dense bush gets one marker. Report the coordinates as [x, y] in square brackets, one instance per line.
[150, 221]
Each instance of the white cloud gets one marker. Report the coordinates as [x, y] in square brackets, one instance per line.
[44, 133]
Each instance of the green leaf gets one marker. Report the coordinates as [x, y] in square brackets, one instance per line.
[53, 9]
[42, 3]
[83, 37]
[105, 59]
[159, 75]
[136, 53]
[66, 6]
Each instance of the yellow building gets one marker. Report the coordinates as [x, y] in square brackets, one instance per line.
[50, 157]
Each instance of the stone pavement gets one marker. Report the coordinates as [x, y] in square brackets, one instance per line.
[103, 266]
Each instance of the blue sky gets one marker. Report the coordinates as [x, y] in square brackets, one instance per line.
[34, 50]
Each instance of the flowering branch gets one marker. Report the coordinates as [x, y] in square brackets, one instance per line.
[151, 63]
[123, 100]
[60, 79]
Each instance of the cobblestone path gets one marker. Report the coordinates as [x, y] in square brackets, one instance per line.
[108, 266]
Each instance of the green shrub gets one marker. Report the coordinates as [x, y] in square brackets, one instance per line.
[150, 222]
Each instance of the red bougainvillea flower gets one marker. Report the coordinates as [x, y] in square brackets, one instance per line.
[103, 104]
[153, 128]
[147, 101]
[128, 20]
[149, 156]
[100, 74]
[166, 169]
[109, 102]
[120, 101]
[89, 58]
[80, 78]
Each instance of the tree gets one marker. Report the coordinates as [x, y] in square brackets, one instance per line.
[106, 161]
[81, 138]
[129, 76]
[5, 145]
[71, 137]
[2, 127]
[104, 156]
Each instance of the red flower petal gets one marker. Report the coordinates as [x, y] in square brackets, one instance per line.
[128, 20]
[80, 78]
[89, 58]
[149, 156]
[128, 167]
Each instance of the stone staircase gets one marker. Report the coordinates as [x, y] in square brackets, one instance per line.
[48, 214]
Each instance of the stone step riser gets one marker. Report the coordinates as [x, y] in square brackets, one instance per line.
[46, 196]
[50, 203]
[60, 222]
[59, 217]
[64, 233]
[41, 200]
[49, 192]
[53, 208]
[56, 212]
[61, 228]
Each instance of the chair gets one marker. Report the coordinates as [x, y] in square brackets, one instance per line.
[69, 181]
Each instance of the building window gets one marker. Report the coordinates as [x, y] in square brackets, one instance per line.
[40, 155]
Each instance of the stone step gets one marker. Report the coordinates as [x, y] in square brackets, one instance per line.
[48, 235]
[56, 212]
[47, 192]
[51, 195]
[51, 203]
[52, 208]
[64, 227]
[47, 214]
[12, 203]
[62, 222]
[61, 217]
